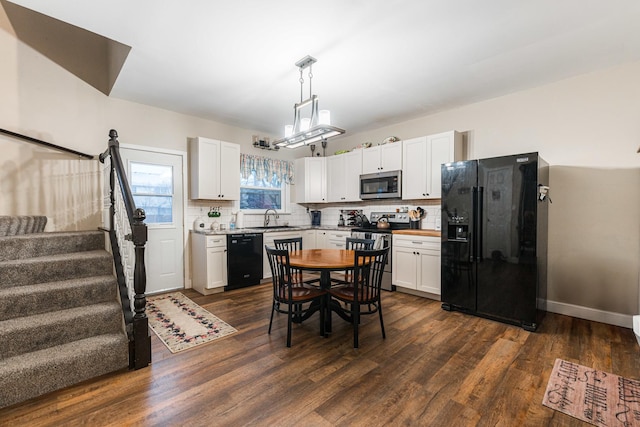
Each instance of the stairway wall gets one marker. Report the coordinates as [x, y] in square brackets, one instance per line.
[15, 225]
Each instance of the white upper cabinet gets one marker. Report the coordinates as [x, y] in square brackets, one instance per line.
[442, 148]
[382, 158]
[414, 174]
[229, 171]
[422, 160]
[310, 180]
[343, 176]
[215, 169]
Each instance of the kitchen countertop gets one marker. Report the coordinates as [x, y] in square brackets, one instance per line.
[426, 233]
[271, 230]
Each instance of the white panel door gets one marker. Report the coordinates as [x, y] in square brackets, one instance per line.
[156, 182]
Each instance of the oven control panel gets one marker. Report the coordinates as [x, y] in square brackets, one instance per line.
[392, 217]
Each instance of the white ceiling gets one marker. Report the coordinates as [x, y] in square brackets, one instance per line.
[379, 61]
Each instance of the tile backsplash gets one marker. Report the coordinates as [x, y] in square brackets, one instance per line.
[299, 216]
[331, 214]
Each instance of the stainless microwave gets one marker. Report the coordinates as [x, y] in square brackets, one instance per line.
[381, 185]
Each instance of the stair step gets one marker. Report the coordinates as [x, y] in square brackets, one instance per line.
[14, 225]
[34, 374]
[33, 333]
[28, 300]
[53, 268]
[43, 244]
[61, 321]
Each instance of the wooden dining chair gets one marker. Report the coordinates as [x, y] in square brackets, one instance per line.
[295, 244]
[362, 296]
[352, 243]
[286, 293]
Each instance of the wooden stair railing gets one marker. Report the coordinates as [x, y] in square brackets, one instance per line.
[137, 322]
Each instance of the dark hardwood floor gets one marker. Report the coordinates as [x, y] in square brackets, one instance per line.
[434, 369]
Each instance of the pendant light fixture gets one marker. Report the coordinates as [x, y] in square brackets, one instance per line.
[308, 130]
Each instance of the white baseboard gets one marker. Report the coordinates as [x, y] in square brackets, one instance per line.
[418, 293]
[636, 327]
[624, 320]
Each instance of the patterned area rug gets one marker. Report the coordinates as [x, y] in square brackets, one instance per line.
[181, 323]
[597, 397]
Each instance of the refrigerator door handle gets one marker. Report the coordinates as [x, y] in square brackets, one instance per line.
[479, 222]
[473, 224]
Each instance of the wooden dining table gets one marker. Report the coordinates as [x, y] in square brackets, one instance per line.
[325, 261]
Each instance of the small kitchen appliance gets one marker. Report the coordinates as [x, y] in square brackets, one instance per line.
[315, 218]
[381, 185]
[244, 260]
[354, 218]
[239, 219]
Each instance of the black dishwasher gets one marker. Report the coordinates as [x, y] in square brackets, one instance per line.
[244, 260]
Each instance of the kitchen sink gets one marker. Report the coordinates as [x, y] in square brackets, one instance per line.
[274, 227]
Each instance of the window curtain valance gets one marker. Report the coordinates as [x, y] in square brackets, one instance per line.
[266, 167]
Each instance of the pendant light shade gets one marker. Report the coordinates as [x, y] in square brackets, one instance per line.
[305, 131]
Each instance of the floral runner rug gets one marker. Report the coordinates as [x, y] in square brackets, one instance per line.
[597, 397]
[182, 324]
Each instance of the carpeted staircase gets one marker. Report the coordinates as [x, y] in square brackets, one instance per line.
[60, 318]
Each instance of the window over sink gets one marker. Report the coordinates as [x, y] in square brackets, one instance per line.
[264, 183]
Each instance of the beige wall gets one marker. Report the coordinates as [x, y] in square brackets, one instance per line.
[586, 127]
[589, 120]
[44, 101]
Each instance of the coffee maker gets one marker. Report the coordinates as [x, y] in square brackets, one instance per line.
[315, 218]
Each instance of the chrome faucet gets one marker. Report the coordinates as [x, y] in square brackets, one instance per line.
[266, 216]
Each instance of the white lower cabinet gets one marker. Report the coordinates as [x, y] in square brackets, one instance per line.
[309, 239]
[322, 239]
[416, 263]
[267, 240]
[337, 239]
[209, 262]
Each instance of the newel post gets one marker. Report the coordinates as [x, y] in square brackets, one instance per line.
[141, 337]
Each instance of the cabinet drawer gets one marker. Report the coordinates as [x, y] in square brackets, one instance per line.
[427, 243]
[338, 239]
[216, 241]
[338, 244]
[338, 235]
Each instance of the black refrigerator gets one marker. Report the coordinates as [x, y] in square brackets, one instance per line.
[494, 238]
